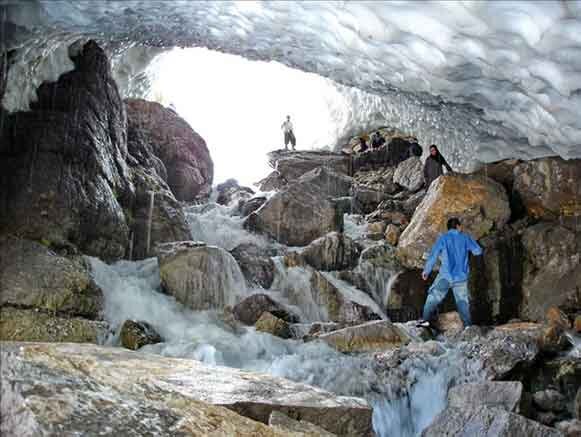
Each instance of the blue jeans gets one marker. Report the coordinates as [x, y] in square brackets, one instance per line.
[438, 292]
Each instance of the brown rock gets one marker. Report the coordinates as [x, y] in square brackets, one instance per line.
[392, 233]
[371, 336]
[449, 323]
[375, 230]
[249, 310]
[406, 296]
[577, 324]
[334, 251]
[292, 166]
[135, 335]
[281, 421]
[480, 203]
[558, 318]
[273, 325]
[190, 169]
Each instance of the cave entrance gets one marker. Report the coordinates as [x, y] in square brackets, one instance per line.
[238, 105]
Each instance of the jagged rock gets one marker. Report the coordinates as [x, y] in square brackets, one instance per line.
[555, 317]
[484, 421]
[549, 400]
[296, 216]
[249, 310]
[200, 277]
[569, 428]
[230, 191]
[377, 180]
[63, 172]
[151, 394]
[33, 325]
[283, 422]
[190, 169]
[310, 331]
[256, 263]
[247, 207]
[32, 276]
[371, 336]
[273, 182]
[392, 233]
[328, 182]
[406, 296]
[507, 395]
[552, 274]
[293, 165]
[503, 173]
[375, 230]
[449, 323]
[550, 188]
[273, 325]
[480, 203]
[383, 255]
[168, 221]
[334, 251]
[366, 200]
[135, 335]
[410, 174]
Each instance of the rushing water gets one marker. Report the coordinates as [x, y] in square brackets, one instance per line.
[405, 398]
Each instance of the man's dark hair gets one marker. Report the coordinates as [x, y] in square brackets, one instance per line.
[453, 223]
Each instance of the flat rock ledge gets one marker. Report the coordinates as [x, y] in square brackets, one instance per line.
[67, 389]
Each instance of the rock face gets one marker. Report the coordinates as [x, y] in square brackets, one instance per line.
[296, 216]
[409, 174]
[273, 182]
[154, 394]
[199, 276]
[283, 422]
[483, 421]
[256, 263]
[230, 191]
[62, 164]
[550, 187]
[273, 325]
[34, 325]
[334, 251]
[291, 166]
[137, 334]
[552, 275]
[190, 169]
[34, 277]
[480, 203]
[250, 309]
[503, 394]
[406, 296]
[371, 336]
[328, 182]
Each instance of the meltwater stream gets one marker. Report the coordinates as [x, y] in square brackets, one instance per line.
[405, 397]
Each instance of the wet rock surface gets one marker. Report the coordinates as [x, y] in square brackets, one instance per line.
[334, 251]
[371, 336]
[292, 165]
[178, 393]
[507, 395]
[135, 334]
[256, 263]
[271, 324]
[282, 421]
[184, 153]
[249, 310]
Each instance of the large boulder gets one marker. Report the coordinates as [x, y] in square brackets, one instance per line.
[409, 174]
[328, 182]
[230, 192]
[32, 276]
[552, 273]
[296, 216]
[485, 421]
[406, 296]
[63, 174]
[550, 188]
[334, 251]
[190, 169]
[34, 325]
[200, 277]
[249, 310]
[153, 394]
[507, 395]
[273, 182]
[480, 203]
[281, 421]
[292, 166]
[371, 336]
[366, 200]
[256, 263]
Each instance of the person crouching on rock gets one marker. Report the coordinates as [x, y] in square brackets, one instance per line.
[289, 136]
[433, 166]
[452, 248]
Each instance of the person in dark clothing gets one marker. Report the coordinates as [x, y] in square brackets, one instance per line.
[415, 149]
[433, 166]
[377, 140]
[362, 145]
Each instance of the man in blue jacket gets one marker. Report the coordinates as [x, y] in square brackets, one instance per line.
[452, 248]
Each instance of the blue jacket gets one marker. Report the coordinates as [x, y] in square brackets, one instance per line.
[453, 247]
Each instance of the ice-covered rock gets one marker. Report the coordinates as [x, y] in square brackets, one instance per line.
[480, 203]
[199, 276]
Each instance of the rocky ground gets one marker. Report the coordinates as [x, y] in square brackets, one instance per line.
[347, 236]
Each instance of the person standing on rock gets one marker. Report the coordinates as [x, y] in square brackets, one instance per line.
[433, 166]
[452, 248]
[289, 135]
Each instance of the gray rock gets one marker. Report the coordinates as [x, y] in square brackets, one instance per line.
[135, 335]
[273, 182]
[334, 251]
[569, 428]
[328, 182]
[273, 325]
[282, 421]
[200, 277]
[32, 276]
[485, 421]
[371, 336]
[249, 310]
[291, 166]
[230, 192]
[503, 394]
[256, 263]
[409, 174]
[153, 394]
[366, 200]
[549, 400]
[247, 207]
[577, 406]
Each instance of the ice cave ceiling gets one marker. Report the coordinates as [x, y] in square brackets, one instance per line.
[488, 79]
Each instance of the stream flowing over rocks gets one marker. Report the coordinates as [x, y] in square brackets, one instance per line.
[135, 301]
